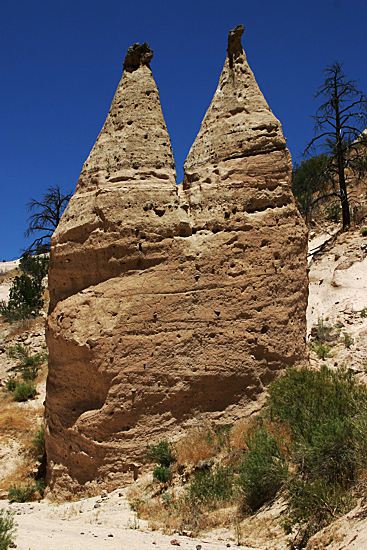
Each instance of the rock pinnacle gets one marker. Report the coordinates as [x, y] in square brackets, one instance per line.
[234, 43]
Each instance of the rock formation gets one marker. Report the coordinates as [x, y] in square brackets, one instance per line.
[171, 301]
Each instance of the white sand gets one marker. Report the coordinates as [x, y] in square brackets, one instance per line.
[79, 525]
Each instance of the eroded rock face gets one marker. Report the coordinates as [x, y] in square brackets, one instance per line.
[171, 301]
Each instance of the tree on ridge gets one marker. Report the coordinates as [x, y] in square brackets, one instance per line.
[339, 125]
[45, 218]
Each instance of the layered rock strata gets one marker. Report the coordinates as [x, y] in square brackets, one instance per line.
[171, 301]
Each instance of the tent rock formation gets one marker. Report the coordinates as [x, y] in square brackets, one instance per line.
[171, 301]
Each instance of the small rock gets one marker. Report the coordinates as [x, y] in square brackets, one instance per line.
[175, 542]
[97, 505]
[110, 535]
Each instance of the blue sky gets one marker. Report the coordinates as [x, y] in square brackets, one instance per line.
[60, 64]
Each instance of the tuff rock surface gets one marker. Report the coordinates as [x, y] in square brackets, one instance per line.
[167, 301]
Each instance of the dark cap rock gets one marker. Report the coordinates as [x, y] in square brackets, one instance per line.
[136, 56]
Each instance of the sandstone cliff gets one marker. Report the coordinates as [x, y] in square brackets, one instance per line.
[171, 301]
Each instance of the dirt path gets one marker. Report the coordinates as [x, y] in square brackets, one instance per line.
[97, 524]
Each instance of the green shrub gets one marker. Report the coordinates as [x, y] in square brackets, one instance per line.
[162, 473]
[364, 310]
[313, 506]
[322, 350]
[263, 469]
[364, 231]
[7, 528]
[323, 331]
[25, 294]
[163, 453]
[326, 414]
[28, 365]
[210, 488]
[24, 391]
[348, 341]
[23, 493]
[325, 411]
[38, 443]
[11, 384]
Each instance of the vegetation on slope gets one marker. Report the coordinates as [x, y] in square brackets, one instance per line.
[308, 445]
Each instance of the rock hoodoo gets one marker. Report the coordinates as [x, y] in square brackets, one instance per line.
[171, 301]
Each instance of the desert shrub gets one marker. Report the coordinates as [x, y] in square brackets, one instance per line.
[263, 469]
[24, 391]
[38, 442]
[323, 331]
[28, 365]
[326, 414]
[11, 384]
[210, 488]
[322, 350]
[19, 493]
[7, 528]
[163, 453]
[313, 506]
[364, 312]
[325, 411]
[348, 341]
[364, 231]
[162, 473]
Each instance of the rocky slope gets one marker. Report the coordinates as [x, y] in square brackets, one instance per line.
[168, 301]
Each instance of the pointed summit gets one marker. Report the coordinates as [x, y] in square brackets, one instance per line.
[130, 166]
[239, 121]
[134, 136]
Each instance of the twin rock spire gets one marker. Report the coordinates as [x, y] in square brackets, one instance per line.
[171, 302]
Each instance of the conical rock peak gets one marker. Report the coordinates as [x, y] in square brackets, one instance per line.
[239, 121]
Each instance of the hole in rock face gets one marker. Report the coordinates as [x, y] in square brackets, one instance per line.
[265, 329]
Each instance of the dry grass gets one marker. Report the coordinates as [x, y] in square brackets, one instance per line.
[14, 422]
[18, 427]
[197, 445]
[202, 442]
[238, 432]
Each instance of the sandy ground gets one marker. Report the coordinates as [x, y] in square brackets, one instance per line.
[8, 266]
[96, 523]
[4, 291]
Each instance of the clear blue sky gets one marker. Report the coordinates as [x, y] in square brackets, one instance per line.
[61, 62]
